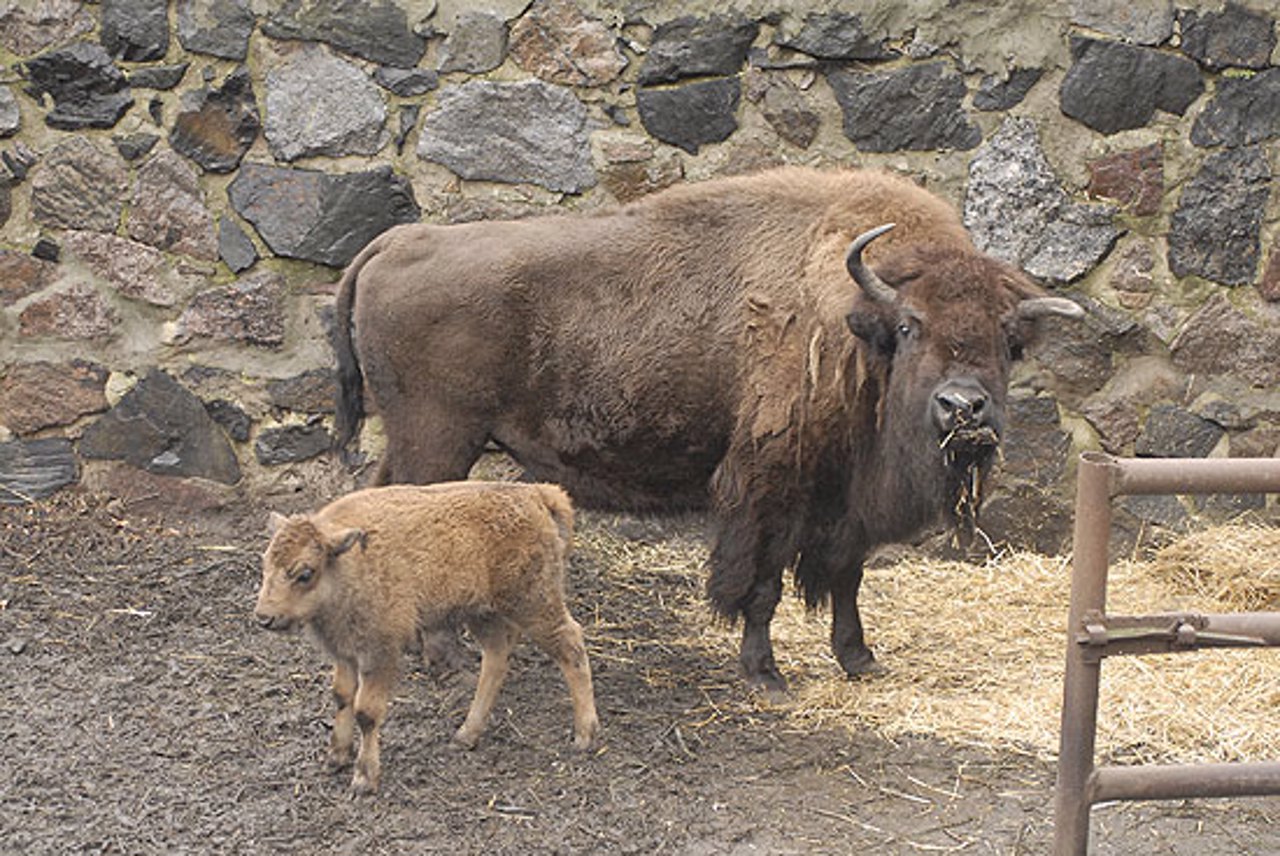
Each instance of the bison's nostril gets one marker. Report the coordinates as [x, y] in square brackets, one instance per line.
[957, 408]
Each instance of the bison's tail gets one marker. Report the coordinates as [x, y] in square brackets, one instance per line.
[561, 509]
[349, 405]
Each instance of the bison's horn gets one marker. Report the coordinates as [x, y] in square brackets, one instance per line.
[874, 286]
[1039, 307]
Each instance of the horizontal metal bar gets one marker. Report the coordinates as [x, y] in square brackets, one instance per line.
[1167, 633]
[1190, 475]
[1184, 781]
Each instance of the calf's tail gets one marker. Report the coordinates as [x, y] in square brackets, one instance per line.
[561, 509]
[349, 404]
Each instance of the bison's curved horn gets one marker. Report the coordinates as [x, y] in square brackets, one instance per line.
[876, 288]
[1040, 307]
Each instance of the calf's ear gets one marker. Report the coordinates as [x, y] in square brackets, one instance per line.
[275, 520]
[344, 540]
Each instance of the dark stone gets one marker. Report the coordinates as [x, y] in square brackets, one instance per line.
[997, 93]
[216, 127]
[1113, 87]
[1163, 511]
[35, 469]
[310, 392]
[1078, 356]
[1035, 447]
[234, 246]
[47, 250]
[1027, 517]
[1219, 339]
[835, 35]
[133, 146]
[1233, 37]
[1215, 231]
[377, 30]
[1269, 287]
[163, 77]
[136, 30]
[314, 216]
[219, 28]
[407, 82]
[1174, 432]
[249, 310]
[1133, 179]
[88, 90]
[291, 443]
[913, 108]
[22, 275]
[691, 115]
[1244, 111]
[697, 47]
[39, 395]
[231, 417]
[160, 427]
[18, 162]
[409, 114]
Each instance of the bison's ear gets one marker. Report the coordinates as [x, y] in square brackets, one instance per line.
[874, 328]
[344, 540]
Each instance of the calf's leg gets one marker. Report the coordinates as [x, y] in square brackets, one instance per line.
[372, 697]
[497, 637]
[563, 641]
[342, 741]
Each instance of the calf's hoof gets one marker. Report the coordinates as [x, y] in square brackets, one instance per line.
[363, 784]
[465, 740]
[585, 738]
[340, 757]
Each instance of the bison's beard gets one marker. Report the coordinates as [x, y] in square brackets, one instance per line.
[968, 452]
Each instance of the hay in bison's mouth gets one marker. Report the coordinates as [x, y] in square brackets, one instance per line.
[967, 450]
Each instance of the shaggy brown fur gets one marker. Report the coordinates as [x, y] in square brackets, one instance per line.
[695, 339]
[365, 572]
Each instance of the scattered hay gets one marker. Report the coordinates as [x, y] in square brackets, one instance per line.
[975, 652]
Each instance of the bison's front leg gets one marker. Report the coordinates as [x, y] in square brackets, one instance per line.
[847, 642]
[756, 654]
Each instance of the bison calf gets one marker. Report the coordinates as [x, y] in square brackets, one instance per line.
[366, 572]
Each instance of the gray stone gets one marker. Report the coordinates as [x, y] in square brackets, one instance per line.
[1035, 446]
[512, 132]
[35, 469]
[22, 275]
[168, 210]
[310, 392]
[916, 108]
[219, 28]
[1235, 37]
[161, 427]
[1215, 230]
[216, 127]
[88, 90]
[409, 114]
[10, 115]
[1244, 111]
[784, 107]
[1174, 432]
[80, 186]
[250, 310]
[377, 30]
[28, 28]
[1002, 93]
[834, 35]
[697, 47]
[39, 395]
[477, 43]
[1220, 339]
[318, 104]
[407, 83]
[137, 271]
[1078, 356]
[1114, 87]
[234, 246]
[79, 313]
[231, 417]
[135, 30]
[162, 77]
[691, 115]
[134, 146]
[290, 443]
[556, 42]
[18, 162]
[1017, 210]
[314, 216]
[1143, 22]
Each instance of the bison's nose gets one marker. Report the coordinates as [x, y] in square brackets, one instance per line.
[959, 404]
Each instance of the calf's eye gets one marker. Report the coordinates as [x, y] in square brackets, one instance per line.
[304, 576]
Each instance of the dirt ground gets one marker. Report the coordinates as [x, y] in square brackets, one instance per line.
[145, 712]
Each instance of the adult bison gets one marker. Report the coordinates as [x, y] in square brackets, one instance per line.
[724, 338]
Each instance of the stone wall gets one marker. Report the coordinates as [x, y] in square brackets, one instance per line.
[182, 181]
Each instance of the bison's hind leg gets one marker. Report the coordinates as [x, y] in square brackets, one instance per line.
[430, 444]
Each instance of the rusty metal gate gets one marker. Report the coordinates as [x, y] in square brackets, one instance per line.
[1092, 635]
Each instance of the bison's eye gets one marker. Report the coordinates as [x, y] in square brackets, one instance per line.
[304, 575]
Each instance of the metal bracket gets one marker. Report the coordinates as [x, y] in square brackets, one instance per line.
[1111, 635]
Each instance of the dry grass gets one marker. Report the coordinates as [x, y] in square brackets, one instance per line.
[975, 652]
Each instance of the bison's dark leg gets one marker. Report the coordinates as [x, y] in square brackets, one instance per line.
[847, 642]
[756, 654]
[430, 445]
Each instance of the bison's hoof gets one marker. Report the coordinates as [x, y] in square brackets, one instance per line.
[769, 682]
[861, 663]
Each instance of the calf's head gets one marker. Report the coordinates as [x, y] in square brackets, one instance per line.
[943, 325]
[297, 569]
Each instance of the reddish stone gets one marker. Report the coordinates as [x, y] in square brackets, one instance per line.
[41, 395]
[1134, 179]
[1269, 287]
[21, 275]
[558, 43]
[250, 311]
[77, 313]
